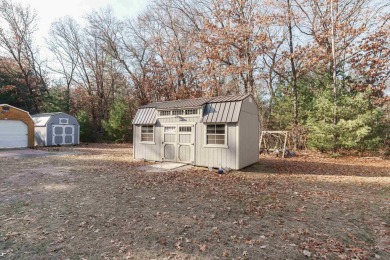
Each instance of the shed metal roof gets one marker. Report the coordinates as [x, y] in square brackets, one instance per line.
[222, 112]
[41, 121]
[222, 109]
[195, 102]
[145, 116]
[46, 114]
[42, 118]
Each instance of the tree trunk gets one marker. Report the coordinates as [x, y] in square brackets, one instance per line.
[293, 71]
[334, 77]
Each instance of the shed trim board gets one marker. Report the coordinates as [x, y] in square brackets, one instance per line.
[238, 146]
[174, 143]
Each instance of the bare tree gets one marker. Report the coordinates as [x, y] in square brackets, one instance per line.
[17, 27]
[87, 67]
[63, 38]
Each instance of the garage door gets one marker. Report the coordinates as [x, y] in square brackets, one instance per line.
[13, 134]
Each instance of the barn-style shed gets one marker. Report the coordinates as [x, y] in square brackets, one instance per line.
[213, 132]
[56, 129]
[16, 127]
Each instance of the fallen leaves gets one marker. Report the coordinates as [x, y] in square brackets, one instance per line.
[306, 253]
[250, 214]
[202, 247]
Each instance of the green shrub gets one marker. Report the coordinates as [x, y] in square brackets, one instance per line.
[358, 127]
[117, 127]
[86, 134]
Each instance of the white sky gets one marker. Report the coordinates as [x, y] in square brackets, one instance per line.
[51, 10]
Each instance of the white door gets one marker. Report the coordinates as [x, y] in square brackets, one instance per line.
[169, 143]
[13, 134]
[185, 143]
[63, 134]
[178, 143]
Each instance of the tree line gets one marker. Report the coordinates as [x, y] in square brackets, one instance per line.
[316, 67]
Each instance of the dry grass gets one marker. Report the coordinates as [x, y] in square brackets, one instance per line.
[96, 204]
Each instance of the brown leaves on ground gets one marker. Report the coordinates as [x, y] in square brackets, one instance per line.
[97, 204]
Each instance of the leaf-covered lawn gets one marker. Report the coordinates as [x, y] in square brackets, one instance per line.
[97, 204]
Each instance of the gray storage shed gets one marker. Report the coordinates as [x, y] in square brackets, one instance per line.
[56, 129]
[212, 132]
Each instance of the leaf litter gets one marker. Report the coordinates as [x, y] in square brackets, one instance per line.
[97, 204]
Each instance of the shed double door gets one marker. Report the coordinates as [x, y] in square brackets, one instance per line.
[63, 134]
[178, 143]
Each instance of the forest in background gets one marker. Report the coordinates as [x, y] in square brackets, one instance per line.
[318, 68]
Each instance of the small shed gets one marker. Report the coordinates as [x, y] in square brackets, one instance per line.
[56, 129]
[16, 127]
[212, 132]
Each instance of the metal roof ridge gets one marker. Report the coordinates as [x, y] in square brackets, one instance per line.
[177, 100]
[47, 114]
[242, 97]
[207, 100]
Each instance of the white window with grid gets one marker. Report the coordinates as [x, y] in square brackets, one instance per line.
[191, 111]
[216, 134]
[165, 113]
[147, 133]
[177, 112]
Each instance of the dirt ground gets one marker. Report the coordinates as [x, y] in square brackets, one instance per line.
[97, 204]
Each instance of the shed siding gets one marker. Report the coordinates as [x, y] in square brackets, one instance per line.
[249, 131]
[216, 156]
[40, 135]
[151, 152]
[179, 120]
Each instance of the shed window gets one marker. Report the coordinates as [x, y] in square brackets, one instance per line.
[185, 129]
[64, 121]
[147, 133]
[170, 130]
[191, 111]
[216, 134]
[177, 112]
[165, 113]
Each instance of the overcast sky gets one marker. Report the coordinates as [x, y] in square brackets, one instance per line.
[50, 10]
